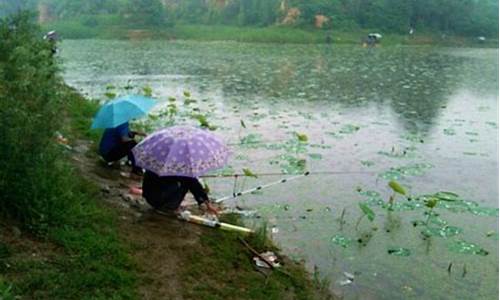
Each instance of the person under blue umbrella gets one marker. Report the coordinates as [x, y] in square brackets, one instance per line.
[117, 142]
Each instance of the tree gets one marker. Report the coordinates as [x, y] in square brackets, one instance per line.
[146, 13]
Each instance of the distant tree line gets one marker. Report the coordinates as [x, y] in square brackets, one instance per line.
[462, 17]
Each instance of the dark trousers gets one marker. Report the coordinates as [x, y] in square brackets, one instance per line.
[168, 198]
[120, 151]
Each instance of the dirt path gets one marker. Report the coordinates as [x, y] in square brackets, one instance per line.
[158, 242]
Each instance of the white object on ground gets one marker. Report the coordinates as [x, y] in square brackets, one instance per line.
[270, 257]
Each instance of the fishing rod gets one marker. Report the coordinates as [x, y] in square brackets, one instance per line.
[281, 174]
[260, 187]
[200, 220]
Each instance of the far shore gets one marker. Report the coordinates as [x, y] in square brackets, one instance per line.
[275, 34]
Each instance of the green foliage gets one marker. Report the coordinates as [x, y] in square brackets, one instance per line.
[39, 188]
[396, 187]
[147, 91]
[29, 116]
[93, 257]
[144, 13]
[6, 292]
[467, 17]
[432, 202]
[367, 211]
[232, 271]
[249, 173]
[301, 137]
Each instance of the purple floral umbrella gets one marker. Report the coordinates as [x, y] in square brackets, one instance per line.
[181, 151]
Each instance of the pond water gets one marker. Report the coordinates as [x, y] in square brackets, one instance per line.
[423, 116]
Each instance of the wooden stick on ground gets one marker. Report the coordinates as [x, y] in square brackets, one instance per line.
[263, 259]
[256, 253]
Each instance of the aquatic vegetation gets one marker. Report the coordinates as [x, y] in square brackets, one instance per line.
[367, 212]
[367, 163]
[147, 91]
[412, 137]
[349, 128]
[467, 248]
[397, 251]
[204, 122]
[341, 240]
[397, 173]
[110, 95]
[407, 152]
[303, 90]
[292, 165]
[397, 189]
[315, 156]
[446, 231]
[301, 137]
[251, 141]
[449, 131]
[249, 173]
[492, 124]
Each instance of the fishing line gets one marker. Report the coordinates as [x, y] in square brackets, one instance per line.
[260, 187]
[281, 174]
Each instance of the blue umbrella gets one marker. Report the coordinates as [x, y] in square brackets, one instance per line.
[121, 110]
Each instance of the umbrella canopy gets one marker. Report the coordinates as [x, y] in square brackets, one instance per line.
[181, 151]
[121, 110]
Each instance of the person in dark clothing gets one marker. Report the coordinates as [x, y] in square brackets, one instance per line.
[168, 192]
[117, 143]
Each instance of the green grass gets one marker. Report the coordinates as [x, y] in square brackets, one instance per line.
[86, 258]
[79, 113]
[222, 268]
[248, 34]
[89, 259]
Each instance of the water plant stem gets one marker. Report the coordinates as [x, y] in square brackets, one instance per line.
[359, 221]
[342, 219]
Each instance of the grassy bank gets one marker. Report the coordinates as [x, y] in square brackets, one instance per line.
[232, 271]
[77, 253]
[57, 239]
[275, 34]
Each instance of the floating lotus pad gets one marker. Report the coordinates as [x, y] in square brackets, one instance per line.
[416, 138]
[407, 153]
[467, 248]
[449, 131]
[484, 211]
[446, 231]
[367, 163]
[492, 124]
[251, 141]
[316, 156]
[399, 251]
[348, 129]
[341, 240]
[294, 166]
[370, 214]
[417, 169]
[447, 196]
